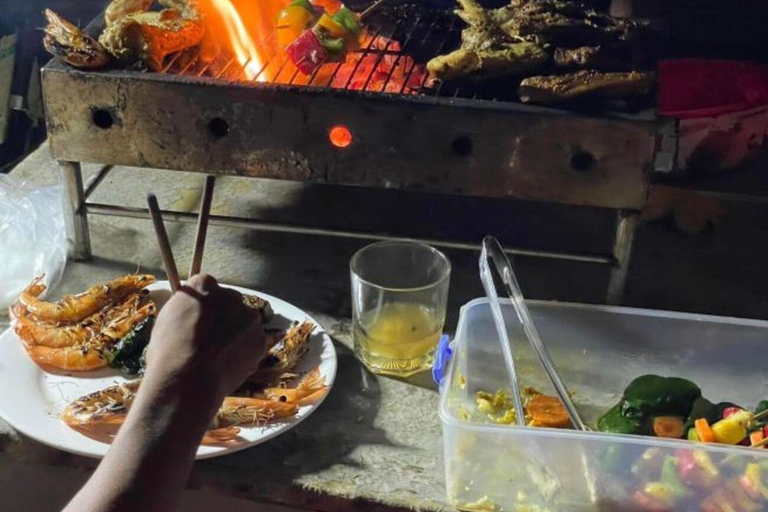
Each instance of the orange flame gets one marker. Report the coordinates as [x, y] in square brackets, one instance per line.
[246, 28]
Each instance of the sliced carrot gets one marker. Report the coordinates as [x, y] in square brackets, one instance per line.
[547, 411]
[668, 426]
[704, 431]
[756, 437]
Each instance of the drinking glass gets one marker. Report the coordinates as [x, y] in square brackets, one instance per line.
[399, 295]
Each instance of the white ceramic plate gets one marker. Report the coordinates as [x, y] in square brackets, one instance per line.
[31, 399]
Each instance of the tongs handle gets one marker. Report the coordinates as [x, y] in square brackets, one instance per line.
[493, 250]
[501, 330]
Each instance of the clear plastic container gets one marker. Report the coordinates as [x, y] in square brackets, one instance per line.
[599, 351]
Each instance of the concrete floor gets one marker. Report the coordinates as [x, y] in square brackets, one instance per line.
[720, 271]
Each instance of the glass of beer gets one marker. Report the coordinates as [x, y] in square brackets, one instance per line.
[399, 295]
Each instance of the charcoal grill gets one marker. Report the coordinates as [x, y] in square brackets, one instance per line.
[443, 138]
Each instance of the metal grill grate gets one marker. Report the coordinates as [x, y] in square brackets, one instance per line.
[392, 59]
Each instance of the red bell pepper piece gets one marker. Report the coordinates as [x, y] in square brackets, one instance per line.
[307, 53]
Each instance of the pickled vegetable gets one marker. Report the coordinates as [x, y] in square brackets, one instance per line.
[704, 431]
[668, 426]
[614, 421]
[696, 468]
[647, 397]
[659, 396]
[732, 430]
[547, 411]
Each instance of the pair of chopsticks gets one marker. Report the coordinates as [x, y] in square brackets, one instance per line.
[165, 244]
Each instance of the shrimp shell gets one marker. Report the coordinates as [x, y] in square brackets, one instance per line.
[101, 413]
[251, 411]
[88, 356]
[220, 435]
[71, 309]
[283, 357]
[310, 390]
[33, 332]
[106, 406]
[72, 45]
[76, 359]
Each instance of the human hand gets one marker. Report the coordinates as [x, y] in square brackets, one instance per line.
[205, 334]
[205, 342]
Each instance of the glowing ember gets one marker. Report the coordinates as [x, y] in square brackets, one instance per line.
[340, 136]
[382, 73]
[245, 31]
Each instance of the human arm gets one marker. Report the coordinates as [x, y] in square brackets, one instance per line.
[204, 344]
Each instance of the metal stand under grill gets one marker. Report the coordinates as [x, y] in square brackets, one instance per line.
[455, 139]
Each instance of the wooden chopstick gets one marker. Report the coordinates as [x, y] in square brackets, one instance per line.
[163, 242]
[202, 226]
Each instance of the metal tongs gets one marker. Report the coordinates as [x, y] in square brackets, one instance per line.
[493, 250]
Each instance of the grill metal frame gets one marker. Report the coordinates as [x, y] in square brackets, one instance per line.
[428, 143]
[446, 139]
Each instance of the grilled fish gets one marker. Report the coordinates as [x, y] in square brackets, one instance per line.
[588, 83]
[510, 59]
[516, 39]
[560, 22]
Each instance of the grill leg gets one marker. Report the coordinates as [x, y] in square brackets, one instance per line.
[624, 236]
[75, 213]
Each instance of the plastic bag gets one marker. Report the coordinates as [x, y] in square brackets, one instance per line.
[32, 237]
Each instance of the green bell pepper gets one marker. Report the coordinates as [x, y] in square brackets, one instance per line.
[348, 20]
[305, 4]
